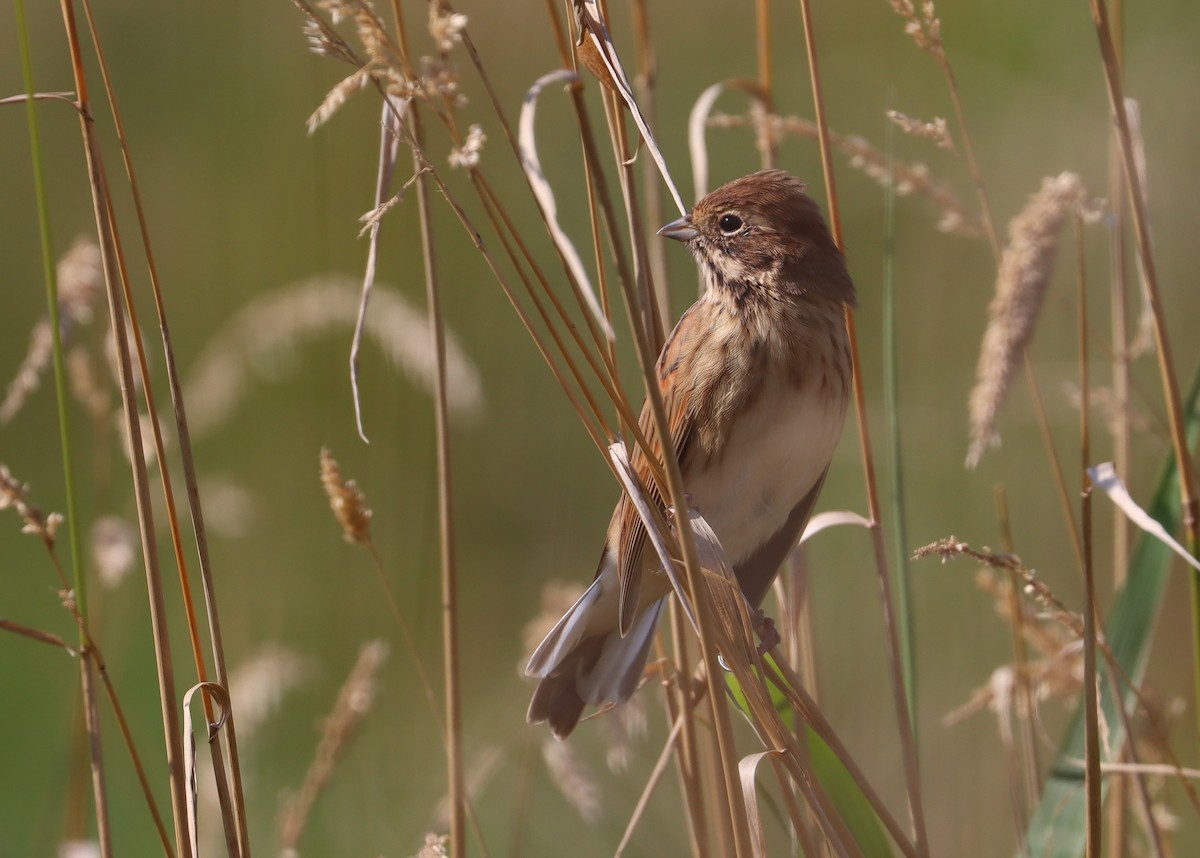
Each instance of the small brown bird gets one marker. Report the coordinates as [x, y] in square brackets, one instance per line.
[755, 378]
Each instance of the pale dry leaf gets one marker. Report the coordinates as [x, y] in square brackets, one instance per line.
[544, 194]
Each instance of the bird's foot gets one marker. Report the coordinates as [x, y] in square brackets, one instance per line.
[767, 633]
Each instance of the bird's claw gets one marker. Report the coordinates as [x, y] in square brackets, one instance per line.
[767, 633]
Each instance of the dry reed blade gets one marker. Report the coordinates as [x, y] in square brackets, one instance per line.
[389, 145]
[544, 194]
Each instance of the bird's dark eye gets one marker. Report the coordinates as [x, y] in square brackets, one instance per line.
[730, 223]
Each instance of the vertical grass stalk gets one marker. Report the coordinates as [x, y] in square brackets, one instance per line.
[891, 406]
[1091, 710]
[904, 716]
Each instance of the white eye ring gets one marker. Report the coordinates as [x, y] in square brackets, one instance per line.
[730, 224]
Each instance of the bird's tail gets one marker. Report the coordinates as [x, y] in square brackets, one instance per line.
[576, 669]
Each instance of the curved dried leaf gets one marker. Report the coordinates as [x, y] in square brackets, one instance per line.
[593, 29]
[834, 518]
[544, 193]
[748, 769]
[1104, 477]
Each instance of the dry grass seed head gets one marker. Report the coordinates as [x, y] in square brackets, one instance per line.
[445, 27]
[623, 727]
[434, 846]
[923, 26]
[114, 548]
[467, 155]
[14, 494]
[348, 503]
[574, 779]
[1025, 273]
[352, 706]
[80, 279]
[906, 178]
[262, 339]
[936, 131]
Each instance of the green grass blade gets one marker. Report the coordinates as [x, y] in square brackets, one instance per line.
[1058, 828]
[853, 807]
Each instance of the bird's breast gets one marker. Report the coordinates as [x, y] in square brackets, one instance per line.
[774, 450]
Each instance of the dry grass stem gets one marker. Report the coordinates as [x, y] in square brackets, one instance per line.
[347, 501]
[906, 178]
[352, 706]
[475, 779]
[1026, 269]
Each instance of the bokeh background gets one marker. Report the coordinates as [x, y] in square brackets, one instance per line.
[243, 202]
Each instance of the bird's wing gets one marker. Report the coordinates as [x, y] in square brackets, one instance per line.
[756, 572]
[628, 534]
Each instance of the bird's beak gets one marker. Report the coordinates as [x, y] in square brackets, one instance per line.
[680, 230]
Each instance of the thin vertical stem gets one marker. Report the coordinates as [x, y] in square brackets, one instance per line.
[1027, 787]
[450, 647]
[1091, 714]
[903, 716]
[765, 133]
[162, 649]
[91, 717]
[891, 397]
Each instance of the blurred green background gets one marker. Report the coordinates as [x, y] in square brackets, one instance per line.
[242, 202]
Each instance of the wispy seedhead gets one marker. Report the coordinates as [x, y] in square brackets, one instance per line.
[623, 727]
[907, 178]
[467, 155]
[936, 131]
[14, 495]
[1026, 268]
[263, 338]
[352, 706]
[574, 779]
[434, 846]
[348, 503]
[87, 385]
[229, 507]
[80, 277]
[114, 549]
[1053, 632]
[431, 78]
[923, 26]
[445, 27]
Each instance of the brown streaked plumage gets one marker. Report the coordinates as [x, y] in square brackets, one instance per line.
[755, 379]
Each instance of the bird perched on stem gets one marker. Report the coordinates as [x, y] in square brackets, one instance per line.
[755, 379]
